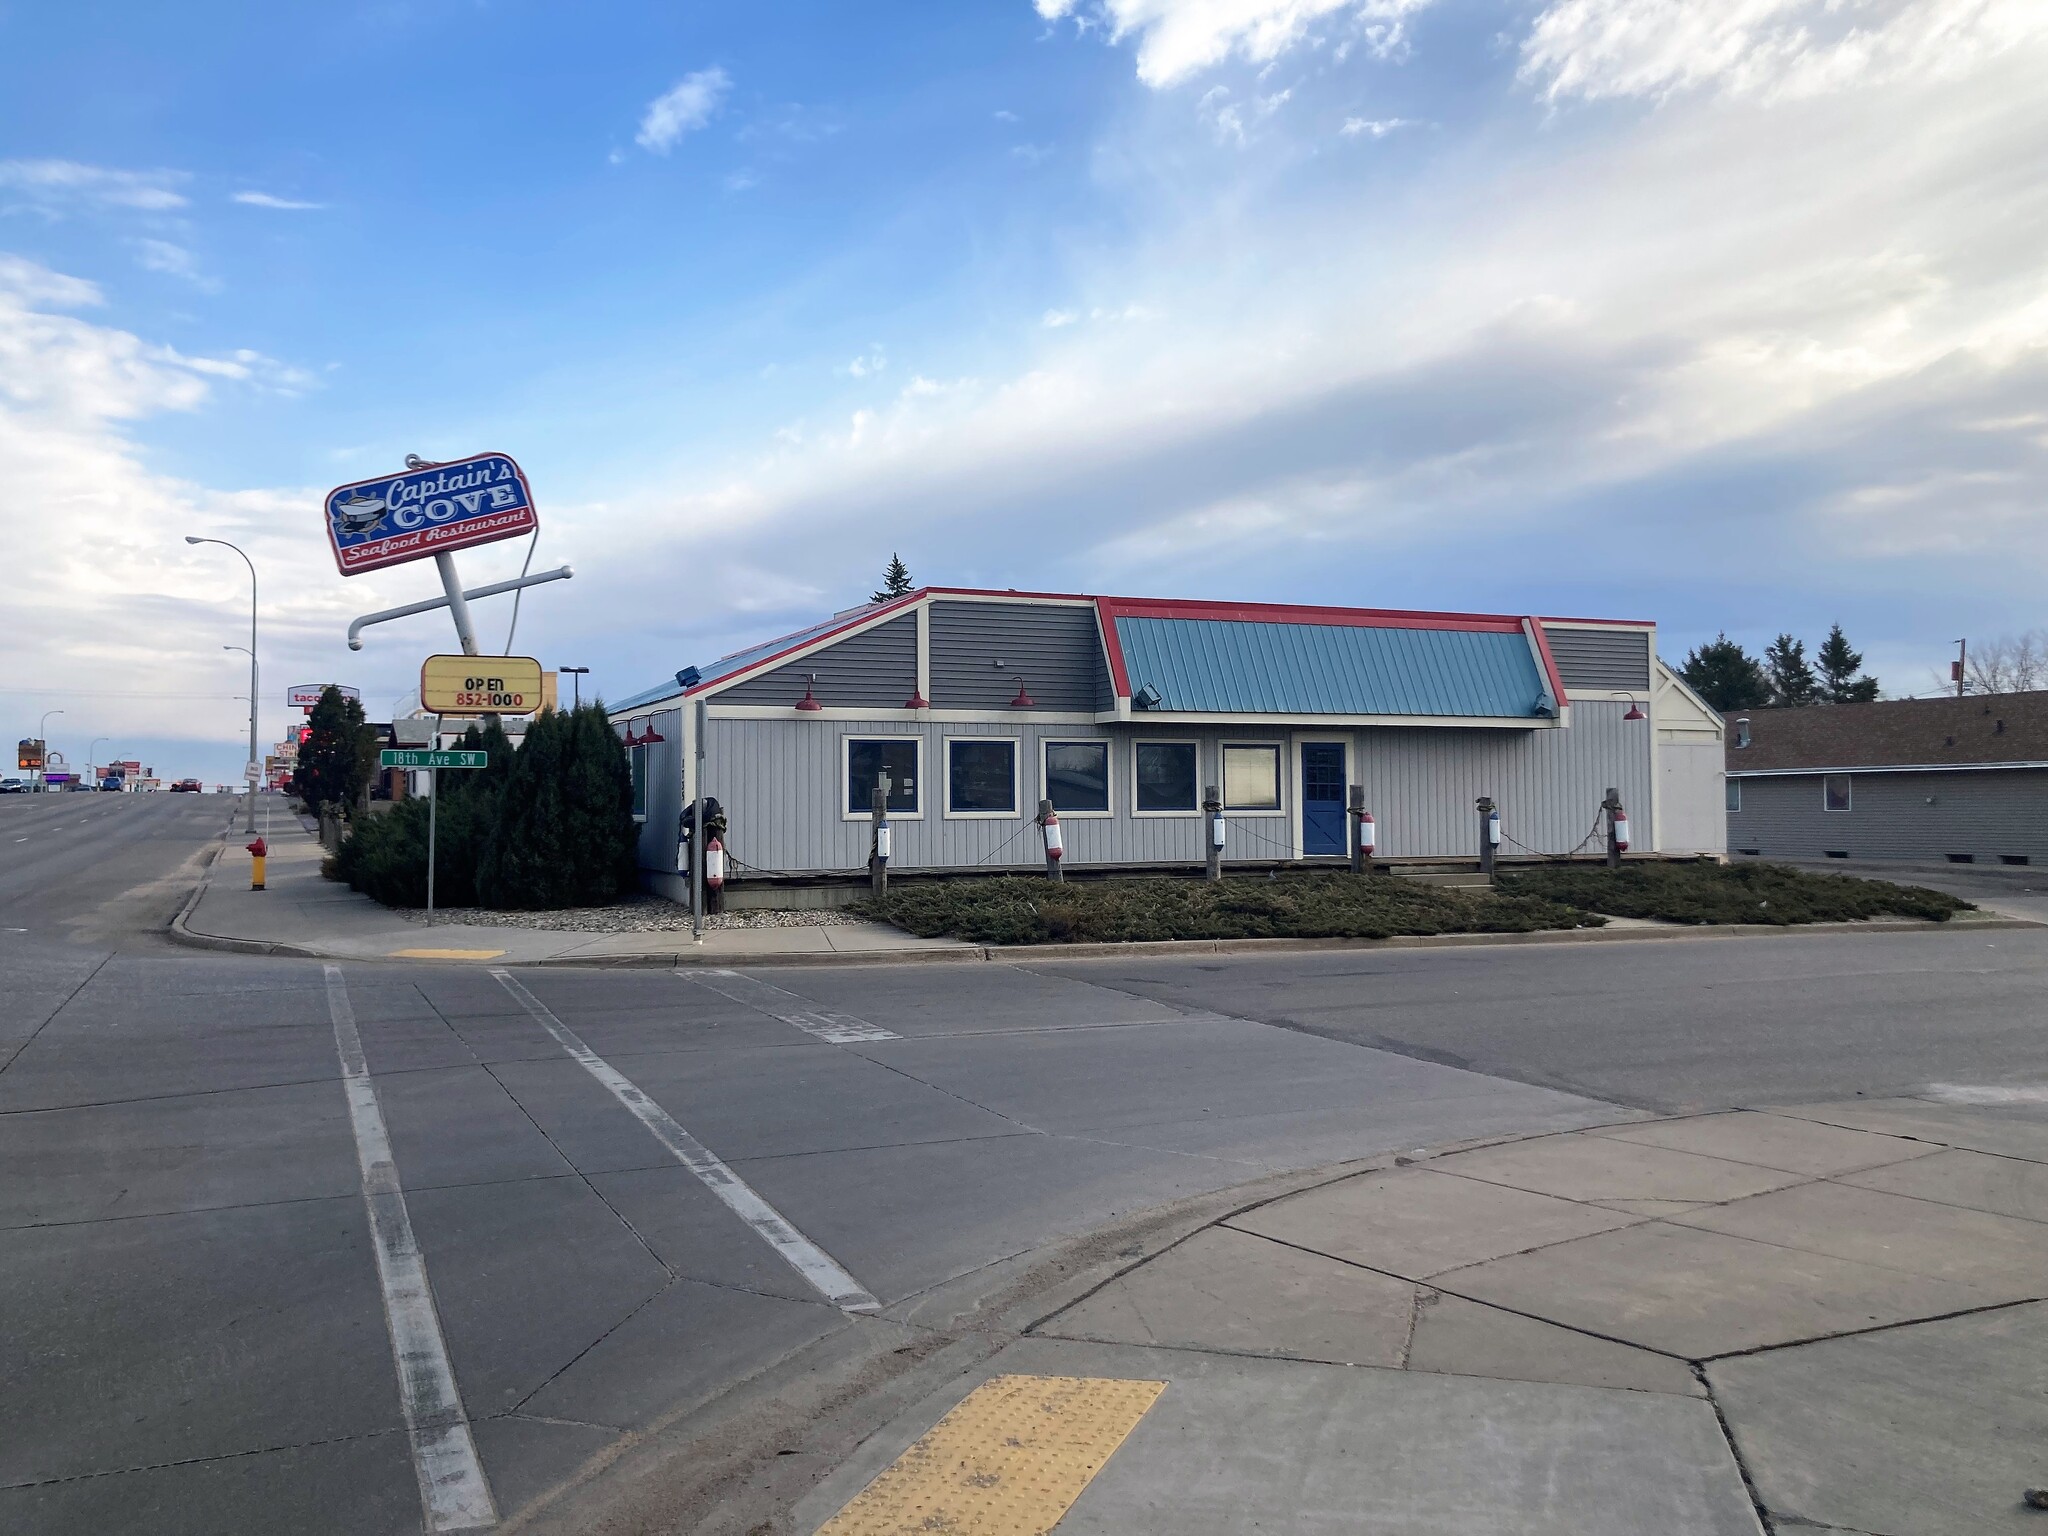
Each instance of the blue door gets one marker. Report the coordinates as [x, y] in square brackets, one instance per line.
[1322, 798]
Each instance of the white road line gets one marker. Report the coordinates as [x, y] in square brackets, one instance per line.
[453, 1490]
[824, 1272]
[832, 1028]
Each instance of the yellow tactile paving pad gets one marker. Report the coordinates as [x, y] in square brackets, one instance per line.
[1008, 1461]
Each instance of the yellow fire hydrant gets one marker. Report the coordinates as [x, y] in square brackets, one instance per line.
[257, 850]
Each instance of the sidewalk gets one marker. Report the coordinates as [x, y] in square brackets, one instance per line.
[1829, 1313]
[304, 915]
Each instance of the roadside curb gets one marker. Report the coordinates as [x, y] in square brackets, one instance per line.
[181, 932]
[743, 1460]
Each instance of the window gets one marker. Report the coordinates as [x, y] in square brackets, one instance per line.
[868, 759]
[1835, 791]
[981, 776]
[1077, 776]
[1165, 773]
[1251, 778]
[1735, 794]
[639, 757]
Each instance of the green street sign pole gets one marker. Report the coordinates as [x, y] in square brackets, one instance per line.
[433, 761]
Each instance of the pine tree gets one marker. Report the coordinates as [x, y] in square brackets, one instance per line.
[895, 582]
[338, 758]
[1790, 675]
[565, 834]
[1839, 666]
[1725, 675]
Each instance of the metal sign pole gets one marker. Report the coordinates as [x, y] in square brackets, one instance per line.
[433, 815]
[458, 603]
[697, 833]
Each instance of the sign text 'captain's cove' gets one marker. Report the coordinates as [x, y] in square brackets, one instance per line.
[428, 511]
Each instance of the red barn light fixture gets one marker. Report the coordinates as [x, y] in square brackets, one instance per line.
[1023, 699]
[809, 702]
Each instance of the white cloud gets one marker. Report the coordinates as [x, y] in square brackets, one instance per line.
[1178, 39]
[129, 621]
[266, 200]
[52, 184]
[1768, 49]
[693, 102]
[1031, 154]
[1005, 115]
[1055, 318]
[173, 261]
[1374, 127]
[871, 362]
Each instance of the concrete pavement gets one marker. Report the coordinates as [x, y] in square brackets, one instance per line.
[301, 914]
[1826, 1316]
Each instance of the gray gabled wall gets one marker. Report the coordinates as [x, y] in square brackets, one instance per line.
[1056, 648]
[875, 669]
[1600, 659]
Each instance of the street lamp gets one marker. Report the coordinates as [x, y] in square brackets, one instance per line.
[576, 676]
[43, 736]
[92, 777]
[191, 538]
[254, 693]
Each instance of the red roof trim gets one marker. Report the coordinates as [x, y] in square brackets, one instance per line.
[1113, 645]
[1549, 662]
[1292, 613]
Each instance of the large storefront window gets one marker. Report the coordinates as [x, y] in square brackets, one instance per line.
[981, 777]
[1077, 775]
[868, 759]
[1165, 772]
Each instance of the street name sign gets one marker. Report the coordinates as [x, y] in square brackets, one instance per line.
[306, 695]
[428, 511]
[399, 757]
[480, 685]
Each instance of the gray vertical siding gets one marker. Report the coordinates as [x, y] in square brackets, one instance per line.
[875, 669]
[1600, 659]
[1988, 814]
[664, 792]
[1056, 648]
[781, 782]
[1421, 783]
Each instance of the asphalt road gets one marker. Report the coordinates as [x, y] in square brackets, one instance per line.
[631, 1191]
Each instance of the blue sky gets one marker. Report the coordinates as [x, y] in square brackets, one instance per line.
[1731, 317]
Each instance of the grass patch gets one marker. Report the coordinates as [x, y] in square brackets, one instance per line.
[1334, 905]
[1730, 893]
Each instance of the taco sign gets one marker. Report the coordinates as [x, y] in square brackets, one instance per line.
[428, 511]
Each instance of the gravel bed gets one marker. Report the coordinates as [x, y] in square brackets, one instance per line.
[648, 914]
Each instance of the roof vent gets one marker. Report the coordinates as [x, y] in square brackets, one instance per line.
[1998, 729]
[1948, 741]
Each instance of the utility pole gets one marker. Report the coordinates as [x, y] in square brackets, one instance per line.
[1961, 668]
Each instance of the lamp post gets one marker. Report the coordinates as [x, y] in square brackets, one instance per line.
[195, 539]
[576, 676]
[89, 751]
[43, 736]
[254, 673]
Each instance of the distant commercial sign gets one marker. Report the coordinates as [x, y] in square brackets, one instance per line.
[28, 753]
[400, 757]
[430, 511]
[306, 695]
[480, 685]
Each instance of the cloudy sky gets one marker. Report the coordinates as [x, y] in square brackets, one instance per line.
[1730, 315]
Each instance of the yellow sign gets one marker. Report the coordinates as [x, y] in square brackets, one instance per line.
[480, 685]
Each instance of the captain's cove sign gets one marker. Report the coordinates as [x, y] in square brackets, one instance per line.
[428, 511]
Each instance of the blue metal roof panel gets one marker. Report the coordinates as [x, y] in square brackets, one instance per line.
[1222, 666]
[738, 661]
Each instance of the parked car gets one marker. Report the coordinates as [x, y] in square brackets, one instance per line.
[16, 787]
[185, 787]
